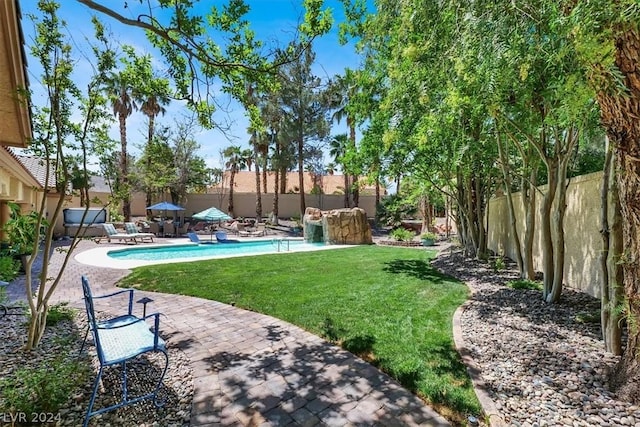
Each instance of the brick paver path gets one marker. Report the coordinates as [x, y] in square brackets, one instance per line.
[252, 369]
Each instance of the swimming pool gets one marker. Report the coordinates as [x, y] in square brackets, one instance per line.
[182, 251]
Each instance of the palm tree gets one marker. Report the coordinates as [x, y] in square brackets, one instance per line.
[152, 106]
[337, 150]
[123, 103]
[341, 90]
[236, 160]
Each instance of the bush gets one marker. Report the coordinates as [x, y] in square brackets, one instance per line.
[524, 284]
[9, 268]
[41, 390]
[429, 236]
[402, 235]
[58, 313]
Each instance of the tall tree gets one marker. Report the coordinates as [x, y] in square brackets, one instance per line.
[305, 111]
[155, 96]
[196, 60]
[607, 37]
[64, 144]
[337, 150]
[119, 89]
[235, 161]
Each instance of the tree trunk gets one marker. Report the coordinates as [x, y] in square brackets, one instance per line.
[232, 179]
[558, 239]
[512, 212]
[347, 189]
[274, 214]
[611, 285]
[258, 193]
[529, 196]
[123, 190]
[547, 236]
[301, 172]
[620, 111]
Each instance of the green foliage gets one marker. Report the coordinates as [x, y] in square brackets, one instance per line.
[429, 236]
[588, 317]
[393, 209]
[42, 389]
[22, 230]
[9, 268]
[402, 234]
[58, 313]
[498, 263]
[525, 284]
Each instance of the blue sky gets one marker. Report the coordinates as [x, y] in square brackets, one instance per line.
[272, 20]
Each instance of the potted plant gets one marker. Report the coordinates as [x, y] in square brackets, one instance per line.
[428, 238]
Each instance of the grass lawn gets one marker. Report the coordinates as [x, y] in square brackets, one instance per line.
[385, 304]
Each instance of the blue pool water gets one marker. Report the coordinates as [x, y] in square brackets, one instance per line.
[151, 253]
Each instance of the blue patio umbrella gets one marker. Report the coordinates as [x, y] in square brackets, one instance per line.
[165, 206]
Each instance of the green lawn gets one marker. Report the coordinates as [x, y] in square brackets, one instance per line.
[385, 304]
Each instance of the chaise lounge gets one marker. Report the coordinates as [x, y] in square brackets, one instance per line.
[112, 234]
[132, 230]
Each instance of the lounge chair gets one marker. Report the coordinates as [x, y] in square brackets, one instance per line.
[132, 230]
[221, 236]
[112, 234]
[195, 239]
[169, 229]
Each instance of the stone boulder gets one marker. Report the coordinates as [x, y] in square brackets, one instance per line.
[312, 223]
[346, 227]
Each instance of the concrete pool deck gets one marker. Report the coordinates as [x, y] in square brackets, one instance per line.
[253, 369]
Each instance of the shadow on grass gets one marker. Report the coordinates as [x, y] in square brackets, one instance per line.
[415, 268]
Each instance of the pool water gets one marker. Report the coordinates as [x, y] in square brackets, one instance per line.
[172, 252]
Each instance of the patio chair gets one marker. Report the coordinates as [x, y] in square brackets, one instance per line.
[132, 230]
[154, 228]
[112, 234]
[195, 239]
[221, 236]
[116, 344]
[169, 229]
[182, 230]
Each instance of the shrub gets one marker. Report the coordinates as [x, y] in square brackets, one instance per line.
[525, 284]
[9, 268]
[58, 313]
[429, 236]
[402, 234]
[43, 389]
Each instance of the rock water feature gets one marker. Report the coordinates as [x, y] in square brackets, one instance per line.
[337, 227]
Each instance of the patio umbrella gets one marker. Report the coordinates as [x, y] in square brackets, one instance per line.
[210, 215]
[165, 206]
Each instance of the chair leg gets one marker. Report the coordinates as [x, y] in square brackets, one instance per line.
[84, 341]
[93, 397]
[125, 398]
[160, 402]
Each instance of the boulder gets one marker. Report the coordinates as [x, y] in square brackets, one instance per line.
[346, 227]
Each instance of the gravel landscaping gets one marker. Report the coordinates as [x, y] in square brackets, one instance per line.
[63, 341]
[543, 365]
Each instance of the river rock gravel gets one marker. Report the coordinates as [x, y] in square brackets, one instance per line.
[63, 340]
[543, 364]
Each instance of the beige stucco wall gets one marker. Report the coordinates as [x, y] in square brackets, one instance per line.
[582, 231]
[244, 204]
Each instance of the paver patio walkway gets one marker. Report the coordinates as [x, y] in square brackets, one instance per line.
[252, 369]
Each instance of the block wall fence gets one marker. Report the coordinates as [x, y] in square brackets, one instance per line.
[581, 225]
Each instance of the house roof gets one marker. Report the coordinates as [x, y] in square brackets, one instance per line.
[37, 168]
[15, 115]
[245, 182]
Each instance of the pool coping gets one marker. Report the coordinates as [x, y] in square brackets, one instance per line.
[98, 256]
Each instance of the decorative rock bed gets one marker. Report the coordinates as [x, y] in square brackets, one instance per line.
[63, 340]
